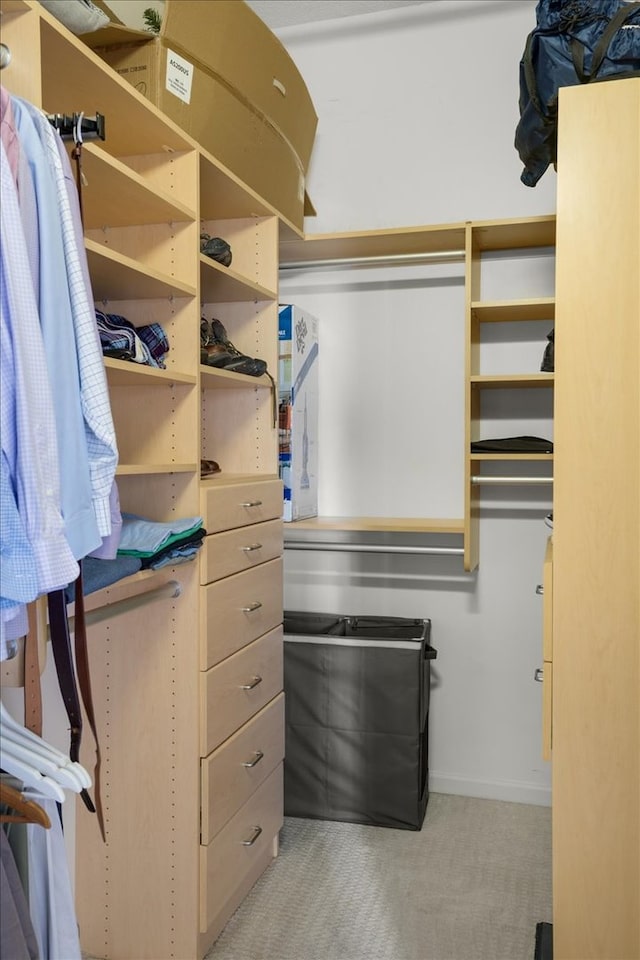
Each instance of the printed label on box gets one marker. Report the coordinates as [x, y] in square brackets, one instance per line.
[179, 76]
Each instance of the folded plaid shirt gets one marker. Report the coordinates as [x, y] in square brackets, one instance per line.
[147, 345]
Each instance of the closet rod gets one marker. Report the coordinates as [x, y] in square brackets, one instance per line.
[370, 548]
[441, 256]
[172, 588]
[513, 480]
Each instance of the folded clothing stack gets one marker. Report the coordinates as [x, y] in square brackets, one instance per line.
[160, 544]
[121, 340]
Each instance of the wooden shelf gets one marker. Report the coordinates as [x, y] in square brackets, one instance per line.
[116, 277]
[125, 373]
[224, 197]
[142, 469]
[213, 378]
[374, 243]
[508, 381]
[117, 196]
[377, 525]
[224, 479]
[75, 79]
[540, 308]
[498, 457]
[220, 284]
[515, 234]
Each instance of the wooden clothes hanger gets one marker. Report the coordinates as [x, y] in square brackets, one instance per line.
[26, 810]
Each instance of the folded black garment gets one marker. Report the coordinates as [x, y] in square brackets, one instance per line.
[513, 445]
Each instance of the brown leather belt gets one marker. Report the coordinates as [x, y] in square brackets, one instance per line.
[66, 671]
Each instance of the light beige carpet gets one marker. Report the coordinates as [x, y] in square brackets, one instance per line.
[471, 885]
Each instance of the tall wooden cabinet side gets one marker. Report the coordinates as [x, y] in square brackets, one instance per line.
[596, 609]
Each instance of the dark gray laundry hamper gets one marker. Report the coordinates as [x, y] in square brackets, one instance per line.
[357, 710]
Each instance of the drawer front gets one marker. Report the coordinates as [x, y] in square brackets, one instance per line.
[232, 692]
[239, 609]
[225, 506]
[237, 768]
[224, 554]
[232, 854]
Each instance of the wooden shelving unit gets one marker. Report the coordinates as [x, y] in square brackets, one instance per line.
[158, 887]
[465, 242]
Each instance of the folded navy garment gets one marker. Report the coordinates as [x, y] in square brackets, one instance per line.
[190, 542]
[97, 574]
[513, 445]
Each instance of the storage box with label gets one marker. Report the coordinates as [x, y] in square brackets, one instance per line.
[218, 72]
[298, 411]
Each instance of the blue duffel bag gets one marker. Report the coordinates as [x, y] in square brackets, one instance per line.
[575, 41]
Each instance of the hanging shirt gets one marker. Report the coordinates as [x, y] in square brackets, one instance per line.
[50, 899]
[55, 311]
[36, 557]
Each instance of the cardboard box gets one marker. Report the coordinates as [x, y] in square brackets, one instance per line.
[219, 73]
[298, 399]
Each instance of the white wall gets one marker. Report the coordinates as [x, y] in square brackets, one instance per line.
[417, 113]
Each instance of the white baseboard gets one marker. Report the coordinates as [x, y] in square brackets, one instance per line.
[514, 791]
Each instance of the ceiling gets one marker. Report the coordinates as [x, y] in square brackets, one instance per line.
[288, 13]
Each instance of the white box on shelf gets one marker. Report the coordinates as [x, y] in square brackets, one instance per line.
[298, 411]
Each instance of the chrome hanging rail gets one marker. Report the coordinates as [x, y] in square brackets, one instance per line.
[168, 590]
[510, 480]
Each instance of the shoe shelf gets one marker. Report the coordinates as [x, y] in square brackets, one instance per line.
[214, 378]
[224, 285]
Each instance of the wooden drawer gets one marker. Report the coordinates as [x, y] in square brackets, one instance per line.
[237, 768]
[224, 554]
[225, 506]
[232, 854]
[233, 691]
[238, 609]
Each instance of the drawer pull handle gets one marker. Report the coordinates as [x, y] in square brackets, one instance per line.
[539, 675]
[249, 686]
[540, 590]
[252, 839]
[252, 606]
[252, 546]
[257, 757]
[251, 503]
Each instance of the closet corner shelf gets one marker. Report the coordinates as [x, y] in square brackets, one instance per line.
[123, 373]
[540, 308]
[115, 277]
[507, 381]
[215, 378]
[220, 284]
[376, 525]
[118, 196]
[516, 233]
[147, 469]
